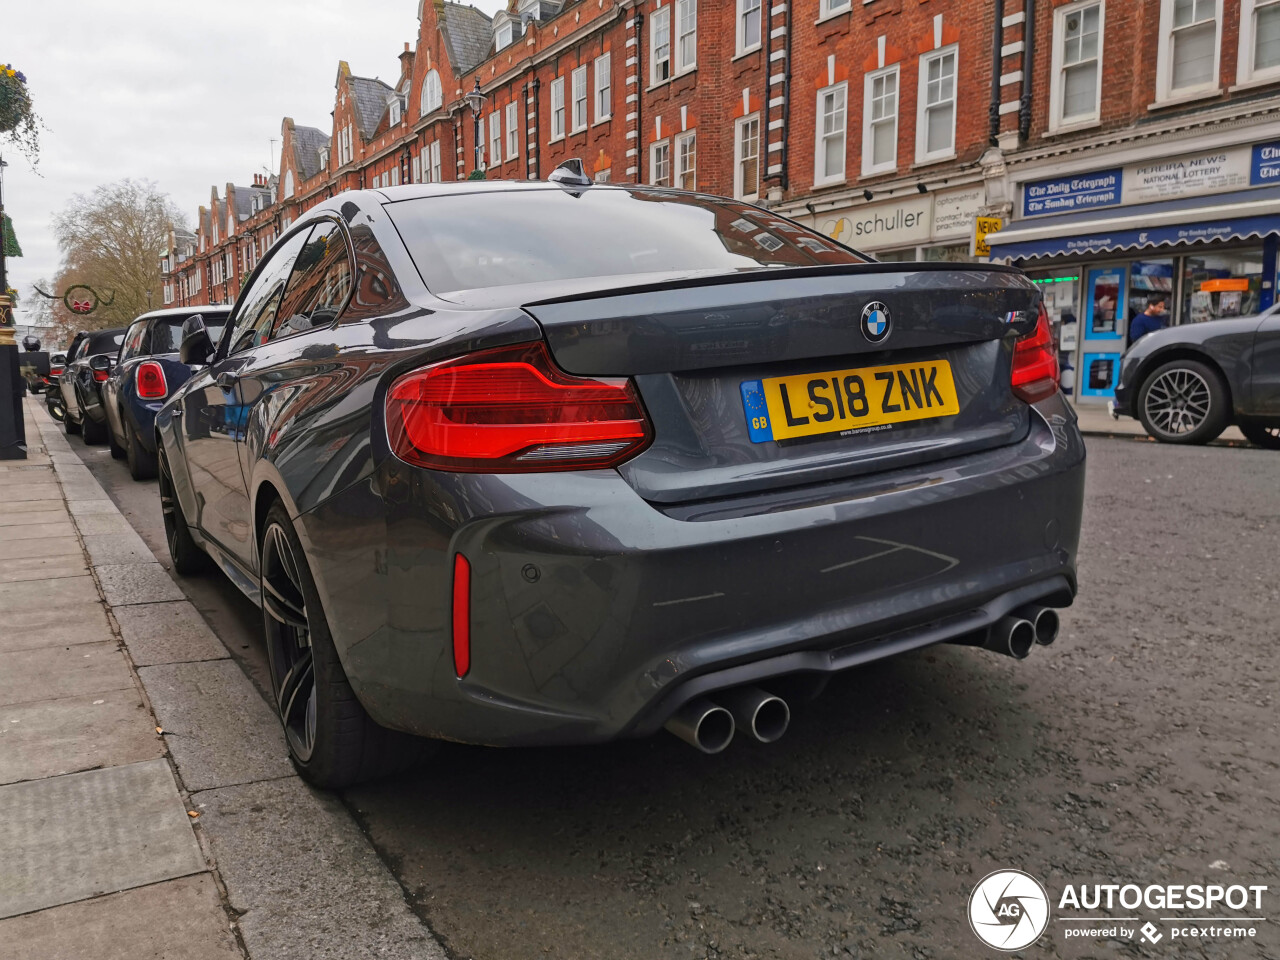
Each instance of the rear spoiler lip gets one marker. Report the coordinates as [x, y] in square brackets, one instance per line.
[785, 273]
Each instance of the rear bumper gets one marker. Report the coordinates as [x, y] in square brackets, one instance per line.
[595, 614]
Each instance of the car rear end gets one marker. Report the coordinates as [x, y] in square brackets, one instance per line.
[680, 490]
[151, 379]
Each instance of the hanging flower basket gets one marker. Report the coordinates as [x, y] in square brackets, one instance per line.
[17, 119]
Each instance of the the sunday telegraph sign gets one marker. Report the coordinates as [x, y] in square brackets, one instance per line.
[1212, 171]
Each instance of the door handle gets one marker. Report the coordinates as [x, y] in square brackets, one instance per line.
[227, 380]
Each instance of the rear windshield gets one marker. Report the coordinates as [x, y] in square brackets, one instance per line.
[106, 342]
[496, 239]
[166, 334]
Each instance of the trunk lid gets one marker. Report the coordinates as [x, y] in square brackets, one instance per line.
[692, 345]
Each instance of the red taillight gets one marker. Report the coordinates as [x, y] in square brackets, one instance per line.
[1035, 362]
[102, 376]
[461, 615]
[150, 381]
[512, 410]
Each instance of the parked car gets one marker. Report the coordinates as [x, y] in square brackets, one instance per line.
[52, 388]
[145, 374]
[88, 366]
[551, 463]
[1188, 383]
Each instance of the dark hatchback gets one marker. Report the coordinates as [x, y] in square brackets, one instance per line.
[550, 463]
[1187, 383]
[88, 365]
[145, 374]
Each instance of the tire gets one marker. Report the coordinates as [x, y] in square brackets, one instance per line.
[117, 451]
[188, 558]
[142, 462]
[332, 740]
[92, 432]
[1184, 401]
[1262, 435]
[72, 428]
[56, 410]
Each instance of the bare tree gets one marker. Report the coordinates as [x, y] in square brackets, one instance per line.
[111, 241]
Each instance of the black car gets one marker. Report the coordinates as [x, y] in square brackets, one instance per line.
[551, 463]
[1187, 383]
[145, 374]
[89, 363]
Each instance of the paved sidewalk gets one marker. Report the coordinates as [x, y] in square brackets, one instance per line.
[117, 840]
[1094, 420]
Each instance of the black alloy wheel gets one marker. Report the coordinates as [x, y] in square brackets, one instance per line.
[288, 634]
[1184, 401]
[333, 741]
[188, 558]
[1262, 435]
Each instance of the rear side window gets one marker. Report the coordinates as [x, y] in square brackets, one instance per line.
[133, 340]
[320, 283]
[104, 343]
[495, 239]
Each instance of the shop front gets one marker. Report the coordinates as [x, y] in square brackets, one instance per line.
[931, 226]
[1201, 231]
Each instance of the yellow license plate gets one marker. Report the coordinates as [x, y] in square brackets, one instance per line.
[836, 401]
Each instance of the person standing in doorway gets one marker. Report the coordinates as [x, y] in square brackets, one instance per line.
[1154, 317]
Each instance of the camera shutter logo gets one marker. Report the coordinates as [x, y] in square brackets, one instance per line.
[1009, 910]
[876, 322]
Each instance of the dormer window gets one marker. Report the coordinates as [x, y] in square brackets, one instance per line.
[396, 111]
[502, 35]
[505, 30]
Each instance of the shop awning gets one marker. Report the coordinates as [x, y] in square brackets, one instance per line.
[1185, 221]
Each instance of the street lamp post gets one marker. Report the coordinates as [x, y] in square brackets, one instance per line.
[476, 99]
[13, 432]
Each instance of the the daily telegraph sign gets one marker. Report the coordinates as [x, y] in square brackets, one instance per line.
[1214, 171]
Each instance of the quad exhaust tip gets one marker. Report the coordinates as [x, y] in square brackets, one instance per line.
[703, 724]
[762, 714]
[1014, 636]
[1045, 620]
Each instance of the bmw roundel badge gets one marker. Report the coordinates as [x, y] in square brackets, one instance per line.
[876, 322]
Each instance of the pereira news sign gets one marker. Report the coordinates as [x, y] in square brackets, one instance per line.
[1213, 171]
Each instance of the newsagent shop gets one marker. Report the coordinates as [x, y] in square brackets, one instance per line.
[1200, 228]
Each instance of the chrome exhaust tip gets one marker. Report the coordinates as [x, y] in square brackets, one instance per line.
[703, 724]
[1045, 620]
[1012, 636]
[765, 715]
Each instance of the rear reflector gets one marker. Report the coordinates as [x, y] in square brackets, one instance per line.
[150, 381]
[1035, 363]
[512, 410]
[102, 376]
[461, 615]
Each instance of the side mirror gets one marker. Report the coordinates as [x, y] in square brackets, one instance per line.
[196, 347]
[100, 362]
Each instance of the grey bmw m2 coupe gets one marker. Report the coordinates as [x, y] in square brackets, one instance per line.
[561, 462]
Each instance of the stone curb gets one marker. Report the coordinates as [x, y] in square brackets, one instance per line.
[285, 864]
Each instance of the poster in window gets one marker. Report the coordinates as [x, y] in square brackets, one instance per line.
[1105, 303]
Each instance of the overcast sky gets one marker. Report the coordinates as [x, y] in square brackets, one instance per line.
[185, 94]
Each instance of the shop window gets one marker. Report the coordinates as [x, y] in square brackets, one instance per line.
[1075, 82]
[896, 256]
[954, 253]
[1187, 61]
[1221, 285]
[1259, 50]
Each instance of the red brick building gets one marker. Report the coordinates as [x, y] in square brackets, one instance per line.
[889, 124]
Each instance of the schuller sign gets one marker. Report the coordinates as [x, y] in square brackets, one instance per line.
[1165, 178]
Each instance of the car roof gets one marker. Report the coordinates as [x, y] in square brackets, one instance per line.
[453, 188]
[181, 312]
